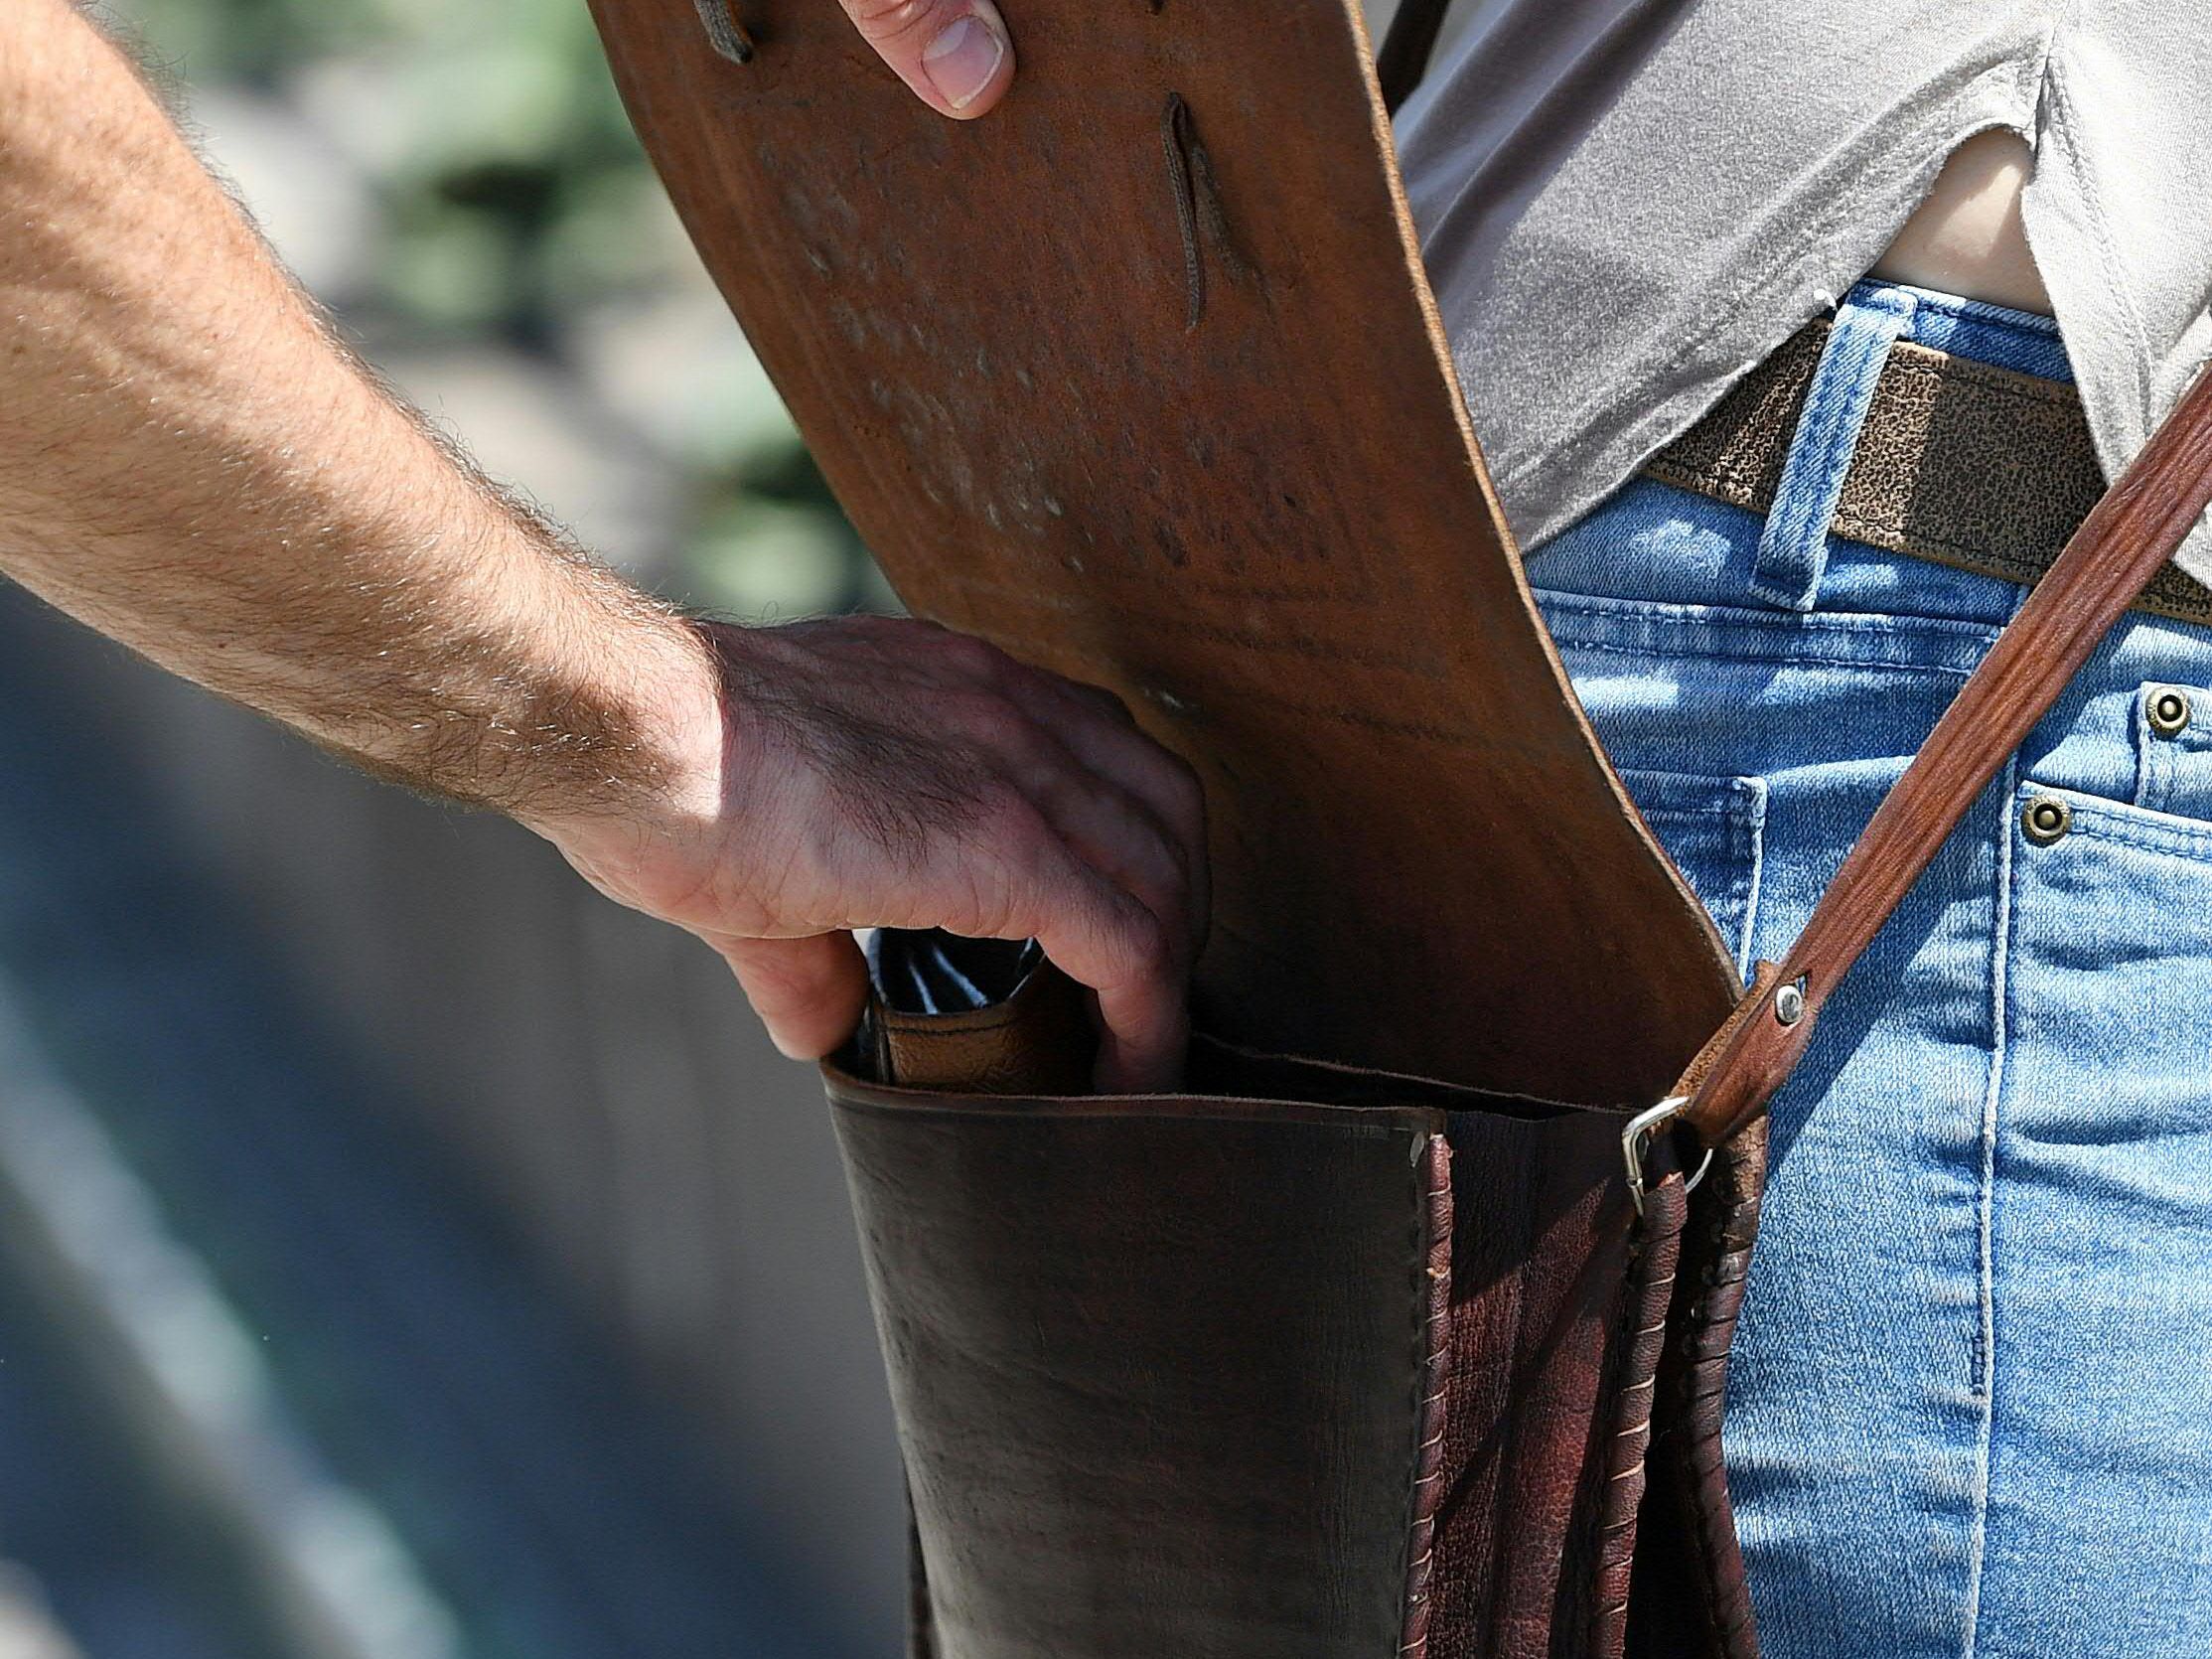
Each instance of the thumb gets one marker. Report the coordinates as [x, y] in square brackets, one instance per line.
[955, 54]
[808, 993]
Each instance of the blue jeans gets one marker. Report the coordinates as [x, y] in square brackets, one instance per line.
[1971, 1412]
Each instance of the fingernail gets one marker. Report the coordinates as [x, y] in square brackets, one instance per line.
[963, 59]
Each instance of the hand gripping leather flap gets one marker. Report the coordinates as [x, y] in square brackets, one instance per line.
[1138, 377]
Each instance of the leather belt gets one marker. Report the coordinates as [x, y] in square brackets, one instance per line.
[1962, 463]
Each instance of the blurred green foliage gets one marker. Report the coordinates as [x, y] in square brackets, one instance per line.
[516, 207]
[515, 187]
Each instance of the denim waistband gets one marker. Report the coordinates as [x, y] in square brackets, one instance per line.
[1653, 542]
[2026, 341]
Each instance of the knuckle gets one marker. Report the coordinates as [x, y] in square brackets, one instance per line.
[997, 726]
[1189, 787]
[1145, 951]
[1183, 842]
[976, 657]
[1177, 780]
[1012, 825]
[1150, 853]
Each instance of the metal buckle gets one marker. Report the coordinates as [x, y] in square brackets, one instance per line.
[1636, 1142]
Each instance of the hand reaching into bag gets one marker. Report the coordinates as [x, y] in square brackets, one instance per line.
[191, 463]
[878, 772]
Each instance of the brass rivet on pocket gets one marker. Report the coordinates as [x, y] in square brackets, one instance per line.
[2169, 712]
[2045, 819]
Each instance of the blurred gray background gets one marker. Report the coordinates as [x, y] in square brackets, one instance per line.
[405, 1254]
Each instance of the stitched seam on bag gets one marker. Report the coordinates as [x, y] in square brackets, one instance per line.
[1704, 1534]
[1418, 1344]
[1432, 1336]
[1637, 1291]
[1624, 1340]
[1686, 1394]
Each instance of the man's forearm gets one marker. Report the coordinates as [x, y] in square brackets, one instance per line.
[190, 464]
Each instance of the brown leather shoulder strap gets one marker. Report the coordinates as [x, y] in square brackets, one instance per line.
[1407, 44]
[2119, 546]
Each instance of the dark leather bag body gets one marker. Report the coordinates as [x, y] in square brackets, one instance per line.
[1359, 1347]
[1310, 1360]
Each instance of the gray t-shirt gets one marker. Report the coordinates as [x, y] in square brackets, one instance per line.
[1625, 204]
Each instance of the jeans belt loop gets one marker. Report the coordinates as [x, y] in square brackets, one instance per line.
[1793, 548]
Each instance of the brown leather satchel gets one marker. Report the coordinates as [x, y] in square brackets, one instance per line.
[1405, 1330]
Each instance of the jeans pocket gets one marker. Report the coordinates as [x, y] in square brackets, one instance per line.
[2100, 1227]
[1714, 830]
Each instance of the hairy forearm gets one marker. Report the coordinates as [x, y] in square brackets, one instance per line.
[192, 464]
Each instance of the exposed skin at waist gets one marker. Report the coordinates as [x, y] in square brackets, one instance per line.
[1967, 237]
